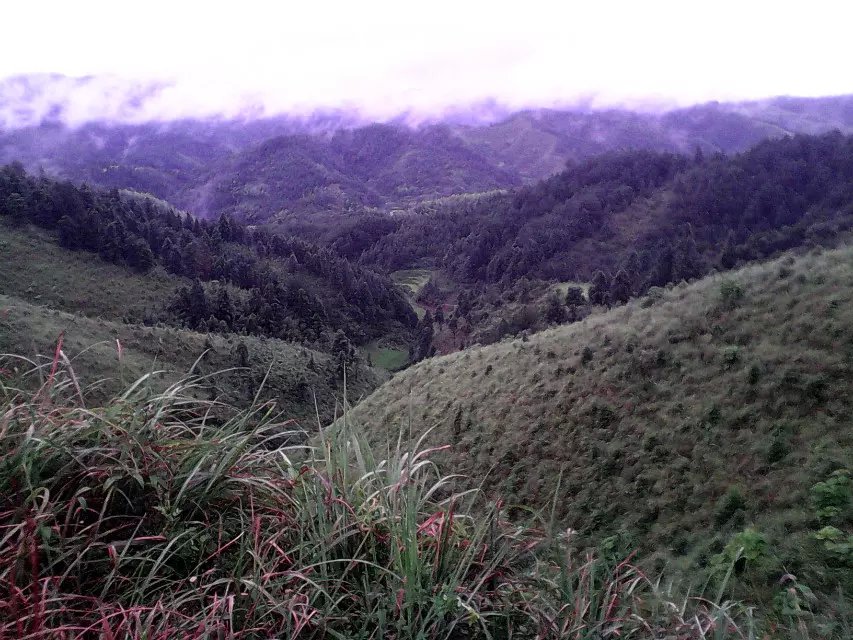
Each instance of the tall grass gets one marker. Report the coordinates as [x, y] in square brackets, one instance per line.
[158, 515]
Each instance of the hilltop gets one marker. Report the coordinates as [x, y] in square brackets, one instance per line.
[672, 423]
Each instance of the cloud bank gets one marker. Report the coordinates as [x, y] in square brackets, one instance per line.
[164, 60]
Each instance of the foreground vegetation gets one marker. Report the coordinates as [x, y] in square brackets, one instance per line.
[685, 423]
[148, 517]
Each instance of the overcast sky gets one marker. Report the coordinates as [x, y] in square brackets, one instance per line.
[384, 57]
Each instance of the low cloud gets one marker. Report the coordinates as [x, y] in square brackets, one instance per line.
[30, 100]
[384, 60]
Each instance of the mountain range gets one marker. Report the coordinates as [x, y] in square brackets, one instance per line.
[269, 167]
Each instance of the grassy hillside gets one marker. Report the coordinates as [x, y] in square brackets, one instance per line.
[673, 423]
[34, 267]
[291, 375]
[46, 290]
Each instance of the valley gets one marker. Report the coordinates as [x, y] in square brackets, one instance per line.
[257, 346]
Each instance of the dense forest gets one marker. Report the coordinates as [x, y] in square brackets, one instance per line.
[682, 216]
[239, 280]
[618, 225]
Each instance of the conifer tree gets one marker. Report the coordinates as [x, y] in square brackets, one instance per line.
[599, 290]
[620, 288]
[575, 297]
[555, 311]
[197, 300]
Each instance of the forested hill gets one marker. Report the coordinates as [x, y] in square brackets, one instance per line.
[242, 281]
[617, 225]
[378, 166]
[662, 216]
[620, 223]
[538, 143]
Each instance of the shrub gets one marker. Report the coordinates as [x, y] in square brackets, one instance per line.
[793, 602]
[837, 544]
[778, 449]
[831, 498]
[816, 388]
[653, 295]
[785, 272]
[651, 442]
[754, 374]
[730, 503]
[714, 415]
[747, 549]
[601, 415]
[731, 356]
[731, 293]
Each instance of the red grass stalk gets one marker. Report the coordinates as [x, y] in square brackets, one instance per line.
[37, 600]
[56, 355]
[444, 534]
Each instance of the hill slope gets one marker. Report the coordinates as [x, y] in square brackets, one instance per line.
[255, 283]
[46, 290]
[621, 222]
[35, 268]
[291, 375]
[675, 420]
[596, 214]
[376, 166]
[538, 143]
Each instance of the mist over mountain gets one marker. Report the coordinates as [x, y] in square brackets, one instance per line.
[258, 165]
[30, 100]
